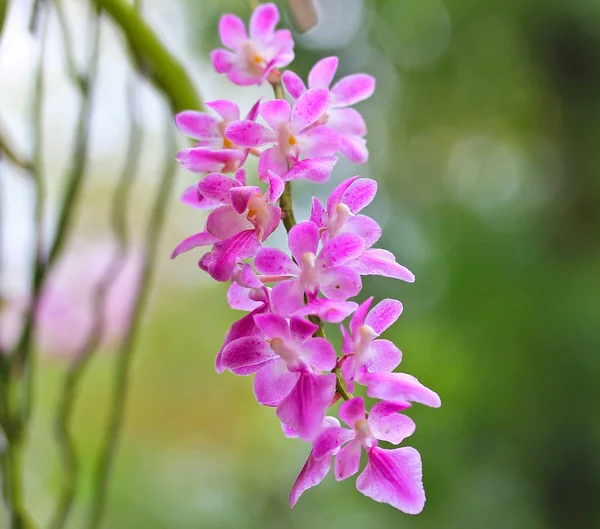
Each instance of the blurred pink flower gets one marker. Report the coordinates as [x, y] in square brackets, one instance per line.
[65, 312]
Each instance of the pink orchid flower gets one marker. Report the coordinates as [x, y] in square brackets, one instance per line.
[253, 59]
[213, 152]
[301, 148]
[244, 218]
[342, 213]
[346, 122]
[309, 273]
[363, 352]
[390, 476]
[288, 366]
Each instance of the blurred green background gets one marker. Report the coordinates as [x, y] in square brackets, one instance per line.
[484, 134]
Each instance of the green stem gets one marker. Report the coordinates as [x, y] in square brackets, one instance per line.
[151, 57]
[126, 351]
[289, 221]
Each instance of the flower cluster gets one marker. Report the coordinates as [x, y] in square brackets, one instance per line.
[288, 296]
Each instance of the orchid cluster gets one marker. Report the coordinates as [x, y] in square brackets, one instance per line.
[288, 296]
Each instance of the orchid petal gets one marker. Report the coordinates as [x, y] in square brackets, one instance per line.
[358, 318]
[293, 84]
[317, 170]
[340, 283]
[246, 133]
[318, 142]
[287, 297]
[339, 250]
[273, 382]
[394, 477]
[225, 222]
[376, 261]
[232, 31]
[263, 21]
[309, 107]
[305, 406]
[319, 353]
[359, 194]
[247, 351]
[273, 325]
[399, 388]
[347, 462]
[272, 261]
[313, 472]
[352, 410]
[387, 424]
[330, 439]
[302, 329]
[353, 88]
[275, 111]
[323, 72]
[228, 110]
[197, 125]
[384, 315]
[336, 195]
[217, 186]
[303, 238]
[328, 309]
[385, 356]
[199, 239]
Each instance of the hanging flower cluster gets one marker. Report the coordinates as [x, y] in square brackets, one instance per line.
[287, 296]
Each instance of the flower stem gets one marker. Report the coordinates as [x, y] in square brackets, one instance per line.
[289, 221]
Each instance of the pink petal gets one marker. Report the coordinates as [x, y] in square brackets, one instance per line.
[217, 186]
[336, 195]
[386, 356]
[287, 297]
[293, 84]
[203, 160]
[316, 170]
[340, 283]
[339, 250]
[322, 72]
[302, 329]
[273, 382]
[386, 424]
[330, 439]
[249, 278]
[274, 218]
[272, 261]
[352, 89]
[276, 187]
[365, 227]
[199, 239]
[347, 462]
[240, 196]
[228, 110]
[359, 194]
[225, 222]
[237, 297]
[313, 472]
[225, 255]
[197, 125]
[254, 111]
[376, 261]
[232, 31]
[222, 60]
[275, 111]
[384, 315]
[353, 148]
[309, 107]
[352, 410]
[317, 213]
[318, 142]
[319, 353]
[272, 160]
[238, 75]
[246, 133]
[263, 21]
[304, 408]
[247, 351]
[191, 197]
[328, 309]
[273, 325]
[394, 477]
[399, 388]
[346, 122]
[358, 318]
[303, 238]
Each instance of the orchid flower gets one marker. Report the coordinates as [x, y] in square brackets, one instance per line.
[309, 272]
[301, 148]
[213, 152]
[253, 58]
[346, 122]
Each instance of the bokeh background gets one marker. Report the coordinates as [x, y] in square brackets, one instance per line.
[484, 134]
